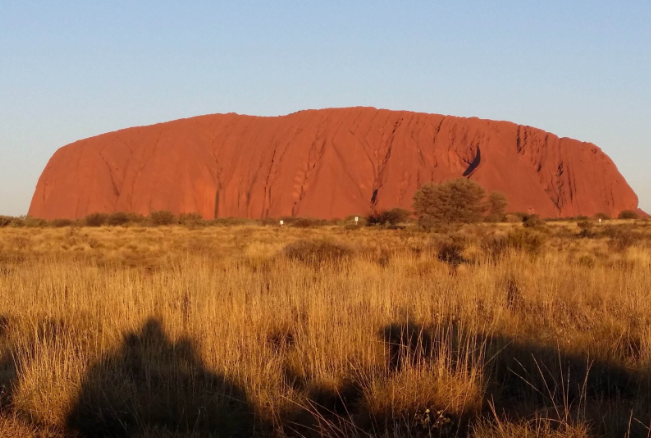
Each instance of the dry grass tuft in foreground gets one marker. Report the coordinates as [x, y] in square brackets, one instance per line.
[489, 331]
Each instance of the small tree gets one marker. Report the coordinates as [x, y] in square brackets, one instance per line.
[163, 217]
[388, 217]
[190, 219]
[628, 214]
[455, 201]
[95, 219]
[533, 221]
[136, 218]
[118, 218]
[5, 221]
[60, 223]
[34, 222]
[497, 204]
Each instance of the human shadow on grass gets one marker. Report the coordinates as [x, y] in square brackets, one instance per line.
[527, 381]
[407, 344]
[154, 385]
[327, 409]
[339, 410]
[8, 367]
[13, 362]
[524, 382]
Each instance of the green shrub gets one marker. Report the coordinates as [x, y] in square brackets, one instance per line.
[533, 221]
[231, 221]
[95, 219]
[306, 222]
[5, 221]
[18, 222]
[316, 253]
[117, 219]
[497, 204]
[388, 218]
[297, 222]
[162, 218]
[456, 201]
[60, 223]
[288, 220]
[269, 221]
[191, 219]
[628, 214]
[136, 218]
[33, 222]
[520, 215]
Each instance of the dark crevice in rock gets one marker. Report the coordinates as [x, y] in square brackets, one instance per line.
[474, 164]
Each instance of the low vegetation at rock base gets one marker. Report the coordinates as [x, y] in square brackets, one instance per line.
[389, 218]
[206, 330]
[458, 201]
[628, 214]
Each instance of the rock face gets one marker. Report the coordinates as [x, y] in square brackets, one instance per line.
[323, 163]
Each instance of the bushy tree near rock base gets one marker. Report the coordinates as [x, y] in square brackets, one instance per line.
[457, 201]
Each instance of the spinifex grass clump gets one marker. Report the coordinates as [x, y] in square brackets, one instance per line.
[318, 253]
[163, 217]
[118, 219]
[449, 249]
[95, 219]
[519, 240]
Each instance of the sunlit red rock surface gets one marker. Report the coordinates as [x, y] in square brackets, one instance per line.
[323, 163]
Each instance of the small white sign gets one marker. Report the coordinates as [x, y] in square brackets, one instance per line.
[281, 223]
[356, 220]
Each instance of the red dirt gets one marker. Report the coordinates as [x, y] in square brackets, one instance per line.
[323, 163]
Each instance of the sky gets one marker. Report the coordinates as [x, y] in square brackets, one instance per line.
[74, 69]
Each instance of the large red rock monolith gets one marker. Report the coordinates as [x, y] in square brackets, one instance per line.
[323, 163]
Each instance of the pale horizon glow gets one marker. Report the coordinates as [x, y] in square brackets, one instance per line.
[73, 70]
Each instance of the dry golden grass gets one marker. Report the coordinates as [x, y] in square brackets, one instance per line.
[223, 331]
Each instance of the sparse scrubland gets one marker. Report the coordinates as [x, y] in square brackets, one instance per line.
[315, 329]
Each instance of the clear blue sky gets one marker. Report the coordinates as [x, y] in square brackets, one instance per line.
[70, 70]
